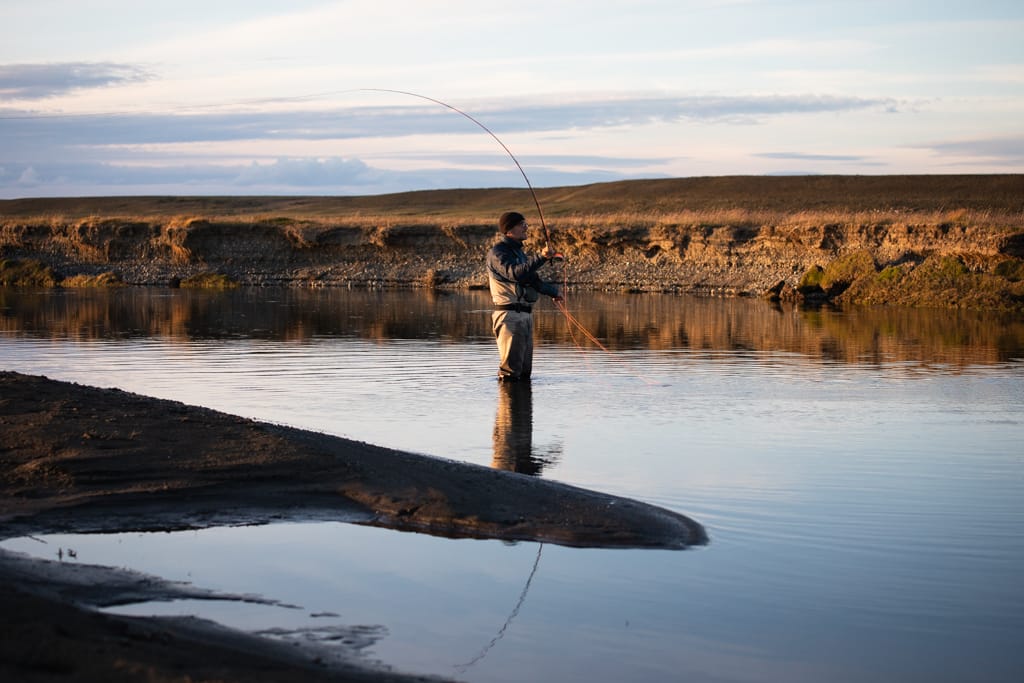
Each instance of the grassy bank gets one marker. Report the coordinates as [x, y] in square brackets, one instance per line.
[919, 240]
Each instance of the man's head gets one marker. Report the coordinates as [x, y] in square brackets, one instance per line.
[513, 224]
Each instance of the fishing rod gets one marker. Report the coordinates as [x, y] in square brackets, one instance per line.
[529, 185]
[571, 320]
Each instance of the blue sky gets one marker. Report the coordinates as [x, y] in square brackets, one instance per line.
[105, 97]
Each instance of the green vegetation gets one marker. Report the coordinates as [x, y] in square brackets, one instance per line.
[890, 275]
[209, 281]
[810, 282]
[26, 273]
[943, 281]
[837, 276]
[845, 270]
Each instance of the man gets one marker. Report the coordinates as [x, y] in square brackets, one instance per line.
[515, 286]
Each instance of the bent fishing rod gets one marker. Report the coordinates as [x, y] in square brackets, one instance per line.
[529, 185]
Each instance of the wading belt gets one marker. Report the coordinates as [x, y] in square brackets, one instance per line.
[522, 308]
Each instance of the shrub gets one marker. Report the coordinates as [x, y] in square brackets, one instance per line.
[942, 281]
[209, 281]
[890, 275]
[946, 270]
[845, 270]
[811, 280]
[430, 279]
[102, 280]
[26, 273]
[1011, 269]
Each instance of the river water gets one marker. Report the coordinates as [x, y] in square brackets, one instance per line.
[860, 474]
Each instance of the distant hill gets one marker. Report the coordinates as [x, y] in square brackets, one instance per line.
[784, 194]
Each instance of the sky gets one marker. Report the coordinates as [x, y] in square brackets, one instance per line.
[356, 97]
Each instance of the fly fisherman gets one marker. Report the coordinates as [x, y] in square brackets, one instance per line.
[515, 286]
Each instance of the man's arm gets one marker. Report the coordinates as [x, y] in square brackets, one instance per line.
[505, 264]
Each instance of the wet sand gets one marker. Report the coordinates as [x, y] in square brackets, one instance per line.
[76, 459]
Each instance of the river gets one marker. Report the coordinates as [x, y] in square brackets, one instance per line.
[859, 472]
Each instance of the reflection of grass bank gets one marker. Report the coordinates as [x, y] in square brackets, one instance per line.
[655, 322]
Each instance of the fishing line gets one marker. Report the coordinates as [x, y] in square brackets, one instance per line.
[573, 321]
[462, 668]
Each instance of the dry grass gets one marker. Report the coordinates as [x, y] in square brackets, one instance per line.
[304, 229]
[739, 217]
[719, 201]
[83, 281]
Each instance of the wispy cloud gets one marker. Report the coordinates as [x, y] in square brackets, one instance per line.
[39, 81]
[538, 160]
[391, 121]
[281, 176]
[1007, 151]
[799, 156]
[214, 151]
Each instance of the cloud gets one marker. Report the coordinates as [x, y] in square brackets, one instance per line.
[280, 172]
[307, 173]
[798, 156]
[207, 150]
[1008, 151]
[281, 176]
[39, 81]
[643, 110]
[398, 121]
[1000, 73]
[549, 160]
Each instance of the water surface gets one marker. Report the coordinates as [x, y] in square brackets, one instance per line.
[859, 473]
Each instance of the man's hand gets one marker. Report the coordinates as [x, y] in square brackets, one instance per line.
[552, 255]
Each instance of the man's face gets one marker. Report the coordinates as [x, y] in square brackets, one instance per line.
[518, 232]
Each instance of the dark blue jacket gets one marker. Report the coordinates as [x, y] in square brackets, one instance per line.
[512, 274]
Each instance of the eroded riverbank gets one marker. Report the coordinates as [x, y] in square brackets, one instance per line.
[949, 241]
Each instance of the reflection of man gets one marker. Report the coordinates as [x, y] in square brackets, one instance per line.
[513, 430]
[515, 286]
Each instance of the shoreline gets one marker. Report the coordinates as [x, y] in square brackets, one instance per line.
[948, 241]
[78, 459]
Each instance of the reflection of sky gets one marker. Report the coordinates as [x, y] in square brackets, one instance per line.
[184, 98]
[852, 507]
[782, 590]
